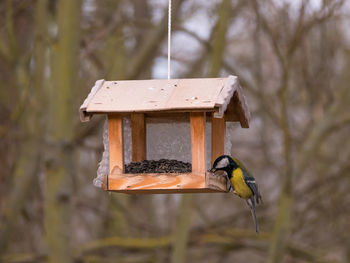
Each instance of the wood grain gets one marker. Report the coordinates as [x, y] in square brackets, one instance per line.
[138, 137]
[198, 151]
[155, 95]
[218, 129]
[155, 183]
[116, 147]
[195, 93]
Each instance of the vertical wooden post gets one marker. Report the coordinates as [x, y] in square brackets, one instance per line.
[116, 147]
[218, 129]
[138, 137]
[198, 151]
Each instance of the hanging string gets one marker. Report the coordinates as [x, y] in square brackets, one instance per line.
[169, 36]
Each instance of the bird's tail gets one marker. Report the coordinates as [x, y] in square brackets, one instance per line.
[252, 208]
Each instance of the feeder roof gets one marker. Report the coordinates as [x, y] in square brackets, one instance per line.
[218, 95]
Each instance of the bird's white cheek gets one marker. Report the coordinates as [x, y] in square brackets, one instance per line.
[223, 163]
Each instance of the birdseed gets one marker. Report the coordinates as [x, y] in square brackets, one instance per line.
[158, 166]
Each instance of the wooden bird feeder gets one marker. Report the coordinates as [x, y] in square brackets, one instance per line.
[218, 100]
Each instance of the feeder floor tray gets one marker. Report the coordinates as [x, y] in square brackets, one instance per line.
[163, 177]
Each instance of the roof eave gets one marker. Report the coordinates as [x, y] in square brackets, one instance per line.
[84, 115]
[232, 91]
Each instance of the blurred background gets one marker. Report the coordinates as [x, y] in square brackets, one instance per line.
[293, 62]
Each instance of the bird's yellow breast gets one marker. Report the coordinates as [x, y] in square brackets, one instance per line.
[240, 187]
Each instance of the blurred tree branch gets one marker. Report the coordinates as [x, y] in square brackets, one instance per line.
[234, 239]
[285, 58]
[30, 159]
[10, 30]
[144, 55]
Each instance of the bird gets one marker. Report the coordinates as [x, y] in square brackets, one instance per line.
[241, 181]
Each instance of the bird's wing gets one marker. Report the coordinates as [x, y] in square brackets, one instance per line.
[250, 181]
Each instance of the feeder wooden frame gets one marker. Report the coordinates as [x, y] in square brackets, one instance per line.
[199, 180]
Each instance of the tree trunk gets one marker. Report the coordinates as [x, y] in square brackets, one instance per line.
[59, 166]
[282, 227]
[219, 41]
[182, 230]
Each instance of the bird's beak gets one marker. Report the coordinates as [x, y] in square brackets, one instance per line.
[213, 170]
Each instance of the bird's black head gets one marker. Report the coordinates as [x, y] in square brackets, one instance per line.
[224, 163]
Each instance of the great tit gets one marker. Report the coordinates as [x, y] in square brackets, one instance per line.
[240, 180]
